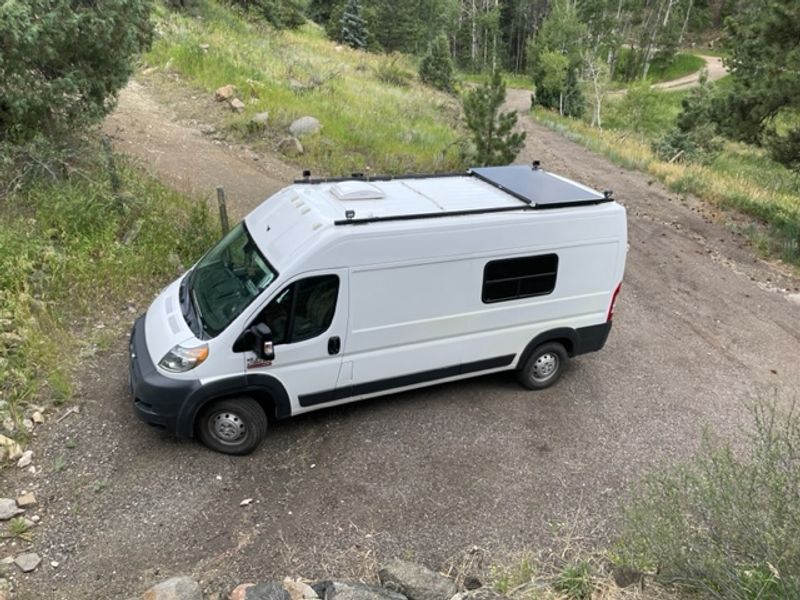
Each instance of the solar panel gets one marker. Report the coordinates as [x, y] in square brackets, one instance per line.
[537, 187]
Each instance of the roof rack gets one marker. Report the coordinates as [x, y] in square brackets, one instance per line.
[361, 177]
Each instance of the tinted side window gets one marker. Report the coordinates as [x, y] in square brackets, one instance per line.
[303, 310]
[513, 278]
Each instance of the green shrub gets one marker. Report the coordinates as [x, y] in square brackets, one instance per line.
[389, 71]
[727, 522]
[281, 14]
[62, 62]
[575, 581]
[436, 67]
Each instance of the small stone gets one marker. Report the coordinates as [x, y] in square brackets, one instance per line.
[291, 146]
[415, 581]
[472, 583]
[304, 126]
[177, 588]
[625, 576]
[8, 509]
[27, 562]
[246, 502]
[204, 47]
[240, 591]
[37, 417]
[14, 451]
[28, 523]
[27, 424]
[36, 518]
[236, 105]
[54, 564]
[226, 92]
[261, 118]
[26, 459]
[26, 500]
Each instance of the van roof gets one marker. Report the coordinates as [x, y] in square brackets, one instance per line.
[478, 190]
[293, 221]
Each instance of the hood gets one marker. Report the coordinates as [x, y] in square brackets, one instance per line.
[164, 325]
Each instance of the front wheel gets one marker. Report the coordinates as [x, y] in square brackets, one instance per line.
[234, 426]
[544, 366]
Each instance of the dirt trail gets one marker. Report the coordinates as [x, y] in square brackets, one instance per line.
[714, 68]
[701, 328]
[182, 153]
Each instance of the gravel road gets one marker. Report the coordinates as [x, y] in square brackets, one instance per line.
[702, 327]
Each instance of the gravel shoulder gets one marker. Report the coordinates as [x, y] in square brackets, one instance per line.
[702, 328]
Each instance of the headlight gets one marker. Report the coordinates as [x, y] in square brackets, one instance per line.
[181, 359]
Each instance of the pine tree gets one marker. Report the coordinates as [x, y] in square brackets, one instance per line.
[436, 68]
[354, 31]
[492, 133]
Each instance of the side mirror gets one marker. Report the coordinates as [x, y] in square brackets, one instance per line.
[263, 346]
[259, 340]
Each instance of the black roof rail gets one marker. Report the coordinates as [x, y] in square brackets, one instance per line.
[362, 177]
[429, 215]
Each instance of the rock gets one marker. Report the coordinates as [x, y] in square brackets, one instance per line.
[472, 583]
[26, 500]
[26, 459]
[415, 581]
[240, 591]
[37, 417]
[794, 298]
[27, 424]
[304, 126]
[291, 146]
[54, 564]
[625, 576]
[269, 590]
[28, 562]
[328, 590]
[236, 105]
[481, 593]
[204, 47]
[226, 92]
[299, 590]
[176, 588]
[246, 502]
[8, 509]
[260, 119]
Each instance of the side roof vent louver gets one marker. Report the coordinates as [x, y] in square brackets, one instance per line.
[356, 190]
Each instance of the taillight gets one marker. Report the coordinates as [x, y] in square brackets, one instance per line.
[613, 302]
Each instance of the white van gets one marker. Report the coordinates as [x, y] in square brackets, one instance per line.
[333, 291]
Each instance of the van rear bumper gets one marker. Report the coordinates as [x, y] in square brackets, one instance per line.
[157, 399]
[591, 339]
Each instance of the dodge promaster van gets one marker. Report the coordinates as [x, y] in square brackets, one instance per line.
[333, 291]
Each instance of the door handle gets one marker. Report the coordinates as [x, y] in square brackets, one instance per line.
[334, 345]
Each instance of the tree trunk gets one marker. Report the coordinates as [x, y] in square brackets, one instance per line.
[685, 22]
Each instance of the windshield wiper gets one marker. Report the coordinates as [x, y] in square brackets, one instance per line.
[196, 306]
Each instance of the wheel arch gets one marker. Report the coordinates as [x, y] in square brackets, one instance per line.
[566, 336]
[264, 389]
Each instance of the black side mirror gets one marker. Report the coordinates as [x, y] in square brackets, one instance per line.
[257, 338]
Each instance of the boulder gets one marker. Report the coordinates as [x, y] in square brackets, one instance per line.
[415, 581]
[299, 590]
[330, 590]
[226, 92]
[8, 509]
[27, 562]
[269, 590]
[240, 591]
[304, 126]
[236, 105]
[176, 588]
[291, 146]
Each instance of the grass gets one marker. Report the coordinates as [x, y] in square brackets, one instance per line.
[725, 524]
[683, 64]
[741, 177]
[367, 125]
[69, 262]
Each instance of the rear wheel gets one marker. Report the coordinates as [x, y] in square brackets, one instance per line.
[234, 426]
[544, 366]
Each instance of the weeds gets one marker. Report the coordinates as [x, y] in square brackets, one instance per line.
[725, 524]
[575, 581]
[18, 526]
[69, 261]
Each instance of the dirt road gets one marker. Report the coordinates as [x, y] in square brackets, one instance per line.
[701, 328]
[714, 70]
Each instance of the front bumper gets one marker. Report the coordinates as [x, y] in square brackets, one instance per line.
[157, 399]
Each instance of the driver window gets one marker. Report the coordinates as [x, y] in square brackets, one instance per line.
[303, 310]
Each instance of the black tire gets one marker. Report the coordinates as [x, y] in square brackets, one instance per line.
[234, 426]
[544, 366]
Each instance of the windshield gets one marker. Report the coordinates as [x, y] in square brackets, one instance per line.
[225, 282]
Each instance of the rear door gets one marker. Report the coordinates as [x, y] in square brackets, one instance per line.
[308, 319]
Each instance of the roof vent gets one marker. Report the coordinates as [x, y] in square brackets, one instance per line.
[356, 190]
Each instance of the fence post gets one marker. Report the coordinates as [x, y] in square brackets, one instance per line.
[113, 176]
[223, 210]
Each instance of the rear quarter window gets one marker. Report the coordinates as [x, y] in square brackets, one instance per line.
[521, 277]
